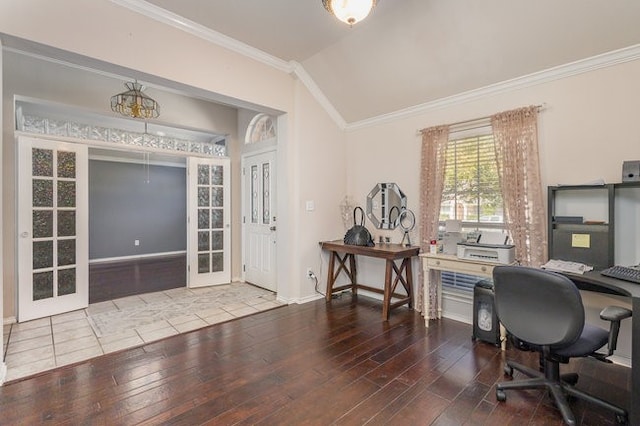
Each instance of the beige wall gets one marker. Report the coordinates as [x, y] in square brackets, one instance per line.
[102, 30]
[318, 174]
[310, 149]
[84, 90]
[588, 127]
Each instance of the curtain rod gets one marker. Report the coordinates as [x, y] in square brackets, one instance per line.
[477, 121]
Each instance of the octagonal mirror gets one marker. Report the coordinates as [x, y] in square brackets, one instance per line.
[385, 202]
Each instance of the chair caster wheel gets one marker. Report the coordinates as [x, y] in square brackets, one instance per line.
[622, 420]
[508, 370]
[570, 378]
[501, 395]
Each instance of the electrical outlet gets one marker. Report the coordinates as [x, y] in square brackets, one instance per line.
[310, 274]
[136, 242]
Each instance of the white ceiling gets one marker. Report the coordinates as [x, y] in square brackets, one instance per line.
[411, 52]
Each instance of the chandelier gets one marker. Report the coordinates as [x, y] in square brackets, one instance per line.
[134, 103]
[349, 11]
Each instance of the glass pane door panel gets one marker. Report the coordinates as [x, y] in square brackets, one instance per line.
[66, 194]
[42, 193]
[42, 254]
[66, 164]
[42, 223]
[66, 281]
[53, 247]
[42, 285]
[208, 234]
[203, 241]
[42, 162]
[66, 223]
[204, 266]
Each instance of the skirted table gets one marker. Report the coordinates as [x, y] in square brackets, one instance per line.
[346, 262]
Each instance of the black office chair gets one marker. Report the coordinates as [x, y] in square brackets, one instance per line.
[544, 312]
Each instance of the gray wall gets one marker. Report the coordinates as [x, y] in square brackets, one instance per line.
[123, 208]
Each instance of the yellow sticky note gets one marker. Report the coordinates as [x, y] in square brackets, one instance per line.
[581, 240]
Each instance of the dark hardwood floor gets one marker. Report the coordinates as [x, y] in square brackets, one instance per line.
[315, 364]
[113, 280]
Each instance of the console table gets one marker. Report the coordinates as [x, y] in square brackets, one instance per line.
[345, 255]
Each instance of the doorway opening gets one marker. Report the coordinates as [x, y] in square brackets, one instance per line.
[54, 218]
[137, 217]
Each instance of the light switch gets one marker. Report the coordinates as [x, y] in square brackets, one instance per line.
[311, 206]
[136, 242]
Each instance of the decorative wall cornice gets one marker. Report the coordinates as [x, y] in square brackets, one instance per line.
[593, 63]
[301, 74]
[604, 60]
[162, 15]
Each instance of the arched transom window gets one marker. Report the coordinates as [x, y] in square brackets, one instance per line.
[261, 128]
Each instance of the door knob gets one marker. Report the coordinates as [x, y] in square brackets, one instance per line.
[24, 234]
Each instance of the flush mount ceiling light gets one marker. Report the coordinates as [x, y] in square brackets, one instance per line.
[349, 11]
[134, 103]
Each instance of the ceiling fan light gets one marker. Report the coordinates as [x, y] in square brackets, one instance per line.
[349, 11]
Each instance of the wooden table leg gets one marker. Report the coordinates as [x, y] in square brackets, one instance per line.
[409, 275]
[425, 295]
[386, 301]
[353, 274]
[330, 277]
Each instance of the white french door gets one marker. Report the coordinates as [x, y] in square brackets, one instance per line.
[209, 227]
[53, 230]
[259, 220]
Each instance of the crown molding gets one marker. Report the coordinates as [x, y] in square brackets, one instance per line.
[166, 17]
[301, 74]
[295, 69]
[582, 66]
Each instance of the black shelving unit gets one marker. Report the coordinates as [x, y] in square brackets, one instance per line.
[562, 235]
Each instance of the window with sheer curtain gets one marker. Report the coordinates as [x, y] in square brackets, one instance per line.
[515, 140]
[471, 190]
[471, 193]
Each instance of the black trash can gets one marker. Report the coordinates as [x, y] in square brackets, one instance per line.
[485, 320]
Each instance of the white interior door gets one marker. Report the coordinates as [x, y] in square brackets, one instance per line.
[209, 228]
[53, 228]
[259, 219]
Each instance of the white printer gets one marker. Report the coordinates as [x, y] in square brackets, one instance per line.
[503, 253]
[490, 247]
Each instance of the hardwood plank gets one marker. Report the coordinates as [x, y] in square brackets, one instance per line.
[319, 363]
[113, 280]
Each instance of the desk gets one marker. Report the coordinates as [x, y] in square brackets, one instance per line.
[590, 281]
[448, 262]
[593, 281]
[346, 256]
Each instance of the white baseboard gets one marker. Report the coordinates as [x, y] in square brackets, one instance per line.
[3, 373]
[300, 300]
[135, 257]
[620, 360]
[457, 317]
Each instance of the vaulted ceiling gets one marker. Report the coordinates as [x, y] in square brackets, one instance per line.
[412, 52]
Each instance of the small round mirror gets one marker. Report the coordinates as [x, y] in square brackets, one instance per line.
[406, 222]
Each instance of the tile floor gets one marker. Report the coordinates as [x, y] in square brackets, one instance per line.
[39, 345]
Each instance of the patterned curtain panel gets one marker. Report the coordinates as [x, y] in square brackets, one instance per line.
[433, 164]
[516, 136]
